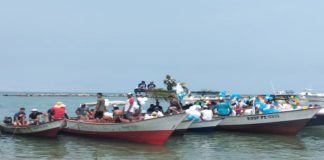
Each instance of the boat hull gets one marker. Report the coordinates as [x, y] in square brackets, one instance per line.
[182, 128]
[318, 120]
[285, 123]
[49, 130]
[153, 131]
[205, 126]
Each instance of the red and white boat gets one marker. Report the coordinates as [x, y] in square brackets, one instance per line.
[287, 123]
[152, 131]
[49, 129]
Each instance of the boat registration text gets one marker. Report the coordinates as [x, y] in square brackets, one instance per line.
[272, 116]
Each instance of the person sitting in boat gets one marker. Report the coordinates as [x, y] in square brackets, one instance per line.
[206, 114]
[157, 104]
[82, 112]
[155, 114]
[187, 105]
[140, 88]
[175, 104]
[108, 117]
[34, 117]
[100, 107]
[129, 108]
[150, 109]
[91, 113]
[149, 115]
[223, 108]
[117, 114]
[194, 113]
[20, 117]
[270, 109]
[237, 108]
[58, 111]
[158, 112]
[151, 85]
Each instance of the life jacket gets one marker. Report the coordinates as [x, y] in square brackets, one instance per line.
[58, 112]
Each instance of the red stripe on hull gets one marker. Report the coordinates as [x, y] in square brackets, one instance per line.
[148, 137]
[284, 128]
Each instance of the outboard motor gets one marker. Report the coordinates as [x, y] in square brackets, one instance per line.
[7, 120]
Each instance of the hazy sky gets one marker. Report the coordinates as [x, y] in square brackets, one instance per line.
[109, 46]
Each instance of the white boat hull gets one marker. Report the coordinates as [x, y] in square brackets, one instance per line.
[152, 131]
[50, 129]
[276, 123]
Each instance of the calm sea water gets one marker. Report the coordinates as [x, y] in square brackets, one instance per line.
[308, 144]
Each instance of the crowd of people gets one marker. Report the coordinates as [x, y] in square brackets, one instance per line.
[198, 109]
[57, 112]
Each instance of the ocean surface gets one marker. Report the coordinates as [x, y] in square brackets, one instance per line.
[308, 144]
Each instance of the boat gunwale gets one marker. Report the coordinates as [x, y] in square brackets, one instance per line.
[121, 123]
[29, 126]
[269, 113]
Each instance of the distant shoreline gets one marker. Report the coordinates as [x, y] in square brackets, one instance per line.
[58, 94]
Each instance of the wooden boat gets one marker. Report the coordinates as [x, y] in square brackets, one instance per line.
[152, 131]
[49, 129]
[205, 126]
[287, 123]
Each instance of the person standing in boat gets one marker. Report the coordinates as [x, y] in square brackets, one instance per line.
[20, 117]
[100, 107]
[58, 111]
[129, 107]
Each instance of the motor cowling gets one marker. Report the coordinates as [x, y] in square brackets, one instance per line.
[7, 120]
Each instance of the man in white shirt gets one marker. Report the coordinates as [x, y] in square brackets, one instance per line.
[129, 108]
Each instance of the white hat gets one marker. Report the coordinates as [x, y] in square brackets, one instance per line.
[59, 105]
[34, 110]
